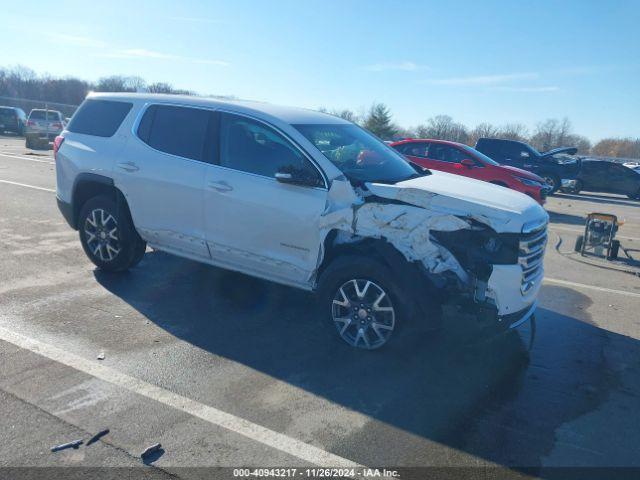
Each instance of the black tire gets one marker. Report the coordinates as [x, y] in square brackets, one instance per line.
[553, 181]
[354, 268]
[615, 249]
[138, 255]
[578, 245]
[108, 236]
[28, 143]
[578, 188]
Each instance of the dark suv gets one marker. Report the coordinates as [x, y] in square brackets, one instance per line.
[12, 120]
[607, 176]
[558, 172]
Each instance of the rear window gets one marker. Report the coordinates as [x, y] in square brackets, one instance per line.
[179, 131]
[45, 115]
[100, 118]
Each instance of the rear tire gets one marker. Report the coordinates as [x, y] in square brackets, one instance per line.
[362, 298]
[578, 246]
[575, 190]
[615, 249]
[108, 236]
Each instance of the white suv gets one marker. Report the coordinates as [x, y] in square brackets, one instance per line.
[300, 198]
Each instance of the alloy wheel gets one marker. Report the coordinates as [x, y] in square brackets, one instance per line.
[101, 230]
[551, 182]
[363, 314]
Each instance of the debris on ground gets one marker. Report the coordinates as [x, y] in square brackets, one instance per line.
[63, 446]
[149, 450]
[97, 436]
[100, 356]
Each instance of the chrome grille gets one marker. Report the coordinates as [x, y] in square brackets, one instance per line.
[531, 254]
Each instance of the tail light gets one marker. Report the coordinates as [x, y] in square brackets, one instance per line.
[31, 123]
[56, 125]
[57, 143]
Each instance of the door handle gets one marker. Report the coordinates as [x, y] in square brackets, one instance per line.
[128, 166]
[221, 186]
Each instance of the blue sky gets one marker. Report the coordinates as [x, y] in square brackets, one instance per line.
[495, 61]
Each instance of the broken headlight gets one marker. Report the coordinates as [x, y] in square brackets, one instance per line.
[471, 246]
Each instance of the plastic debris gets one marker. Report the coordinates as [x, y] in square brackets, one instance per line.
[100, 356]
[97, 436]
[152, 449]
[63, 446]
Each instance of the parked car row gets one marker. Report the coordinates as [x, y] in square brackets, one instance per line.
[461, 159]
[40, 128]
[12, 120]
[521, 167]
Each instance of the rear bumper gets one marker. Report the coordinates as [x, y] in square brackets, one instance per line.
[41, 135]
[67, 212]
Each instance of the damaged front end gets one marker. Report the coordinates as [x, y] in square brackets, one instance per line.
[458, 252]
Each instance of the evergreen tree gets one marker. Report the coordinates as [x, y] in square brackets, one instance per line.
[378, 121]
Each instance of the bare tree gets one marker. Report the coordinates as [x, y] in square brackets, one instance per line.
[483, 130]
[160, 87]
[551, 133]
[513, 131]
[617, 147]
[444, 128]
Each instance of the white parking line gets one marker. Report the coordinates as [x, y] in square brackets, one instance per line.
[257, 433]
[557, 281]
[28, 186]
[21, 157]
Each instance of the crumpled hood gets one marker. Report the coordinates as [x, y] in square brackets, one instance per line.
[503, 209]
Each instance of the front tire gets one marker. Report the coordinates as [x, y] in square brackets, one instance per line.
[361, 298]
[108, 236]
[553, 181]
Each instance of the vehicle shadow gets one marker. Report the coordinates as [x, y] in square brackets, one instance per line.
[604, 199]
[566, 218]
[477, 395]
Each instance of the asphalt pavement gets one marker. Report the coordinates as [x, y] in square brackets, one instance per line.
[228, 371]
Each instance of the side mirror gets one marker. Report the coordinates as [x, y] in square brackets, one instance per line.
[468, 163]
[297, 177]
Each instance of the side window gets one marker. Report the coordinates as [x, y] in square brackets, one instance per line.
[445, 153]
[180, 131]
[251, 146]
[99, 117]
[415, 149]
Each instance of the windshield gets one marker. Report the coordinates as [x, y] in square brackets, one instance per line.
[358, 154]
[479, 155]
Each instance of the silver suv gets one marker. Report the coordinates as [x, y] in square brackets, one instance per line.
[300, 198]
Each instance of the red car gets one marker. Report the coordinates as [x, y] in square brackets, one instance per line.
[461, 159]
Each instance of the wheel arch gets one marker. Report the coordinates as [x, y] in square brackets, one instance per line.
[89, 185]
[423, 286]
